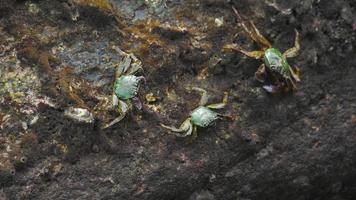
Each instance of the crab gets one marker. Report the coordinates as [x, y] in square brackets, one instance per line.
[282, 75]
[202, 116]
[125, 89]
[126, 86]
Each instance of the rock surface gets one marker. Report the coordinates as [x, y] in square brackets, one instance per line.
[300, 145]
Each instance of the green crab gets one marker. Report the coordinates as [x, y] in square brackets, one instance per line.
[202, 116]
[126, 86]
[280, 73]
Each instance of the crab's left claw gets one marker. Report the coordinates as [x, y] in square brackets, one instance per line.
[228, 117]
[123, 66]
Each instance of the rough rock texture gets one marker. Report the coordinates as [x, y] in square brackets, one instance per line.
[299, 145]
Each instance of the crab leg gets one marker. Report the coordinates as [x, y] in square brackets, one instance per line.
[252, 54]
[136, 65]
[260, 73]
[204, 96]
[295, 73]
[122, 68]
[229, 117]
[254, 32]
[116, 120]
[186, 127]
[194, 134]
[291, 81]
[294, 51]
[220, 105]
[123, 108]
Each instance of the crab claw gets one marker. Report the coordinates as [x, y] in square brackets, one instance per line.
[272, 88]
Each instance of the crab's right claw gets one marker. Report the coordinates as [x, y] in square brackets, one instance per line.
[194, 135]
[228, 117]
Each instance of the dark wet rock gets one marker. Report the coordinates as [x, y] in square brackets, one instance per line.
[298, 145]
[202, 195]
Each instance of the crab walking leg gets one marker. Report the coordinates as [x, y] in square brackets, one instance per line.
[295, 73]
[252, 54]
[222, 104]
[130, 63]
[259, 37]
[259, 74]
[136, 65]
[204, 95]
[194, 134]
[116, 120]
[123, 109]
[254, 33]
[291, 81]
[229, 117]
[186, 127]
[122, 68]
[294, 51]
